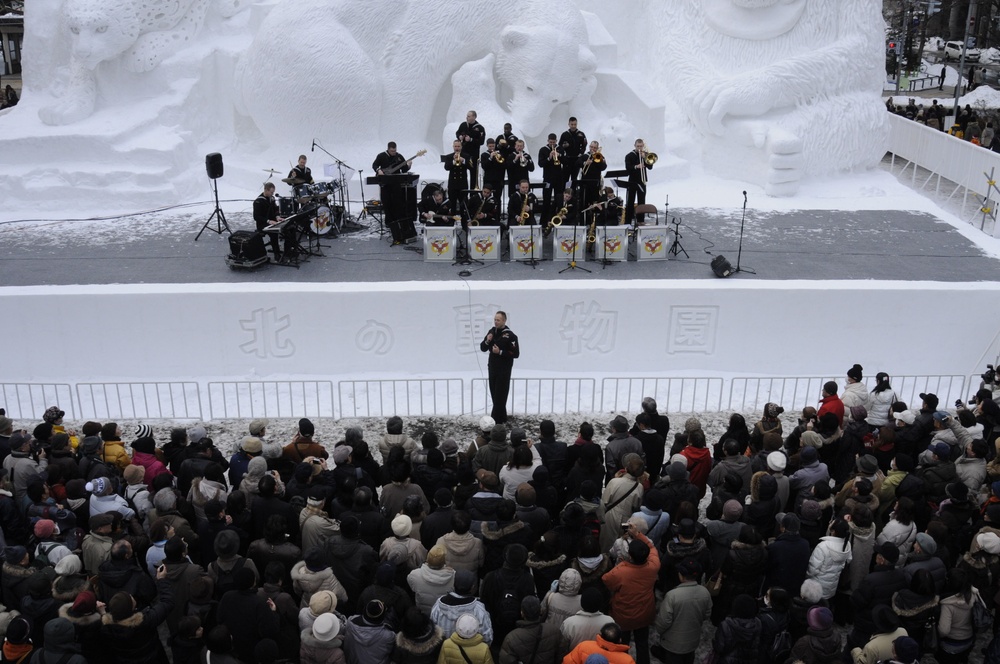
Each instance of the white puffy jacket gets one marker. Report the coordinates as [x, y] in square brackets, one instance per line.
[855, 394]
[827, 562]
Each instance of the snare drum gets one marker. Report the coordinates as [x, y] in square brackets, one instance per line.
[322, 223]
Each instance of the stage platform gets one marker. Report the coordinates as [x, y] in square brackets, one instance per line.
[791, 245]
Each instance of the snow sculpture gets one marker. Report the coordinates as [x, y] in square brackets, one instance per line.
[139, 33]
[793, 87]
[391, 64]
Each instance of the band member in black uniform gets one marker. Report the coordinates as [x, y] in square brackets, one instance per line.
[265, 213]
[473, 136]
[506, 141]
[436, 210]
[551, 159]
[301, 171]
[483, 206]
[569, 217]
[501, 343]
[516, 206]
[388, 163]
[458, 166]
[494, 165]
[574, 143]
[518, 166]
[635, 164]
[591, 165]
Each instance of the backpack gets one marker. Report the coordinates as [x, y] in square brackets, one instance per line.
[44, 549]
[781, 647]
[509, 608]
[981, 616]
[225, 580]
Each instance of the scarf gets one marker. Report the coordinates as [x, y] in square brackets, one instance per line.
[17, 652]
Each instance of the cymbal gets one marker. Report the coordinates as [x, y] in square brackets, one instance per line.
[293, 181]
[269, 170]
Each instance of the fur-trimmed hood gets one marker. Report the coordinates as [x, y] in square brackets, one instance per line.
[133, 621]
[540, 563]
[424, 645]
[309, 641]
[79, 621]
[66, 588]
[490, 533]
[907, 604]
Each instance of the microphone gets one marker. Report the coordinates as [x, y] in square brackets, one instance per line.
[313, 149]
[744, 197]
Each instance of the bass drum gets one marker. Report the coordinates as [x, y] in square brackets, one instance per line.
[287, 206]
[322, 223]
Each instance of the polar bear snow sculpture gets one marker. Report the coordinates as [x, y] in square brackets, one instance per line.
[139, 33]
[793, 85]
[364, 71]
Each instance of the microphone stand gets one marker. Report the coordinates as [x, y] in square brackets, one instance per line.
[739, 253]
[341, 165]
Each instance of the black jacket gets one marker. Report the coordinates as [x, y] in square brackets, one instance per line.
[788, 560]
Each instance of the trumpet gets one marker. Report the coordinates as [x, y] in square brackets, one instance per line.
[496, 156]
[557, 220]
[458, 159]
[522, 159]
[555, 157]
[503, 142]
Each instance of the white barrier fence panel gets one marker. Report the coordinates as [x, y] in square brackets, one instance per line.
[27, 401]
[404, 397]
[139, 401]
[750, 394]
[684, 395]
[535, 396]
[277, 399]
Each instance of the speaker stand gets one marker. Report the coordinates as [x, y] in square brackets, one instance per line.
[218, 215]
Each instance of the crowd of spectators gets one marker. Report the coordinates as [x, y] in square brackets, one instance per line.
[869, 532]
[977, 128]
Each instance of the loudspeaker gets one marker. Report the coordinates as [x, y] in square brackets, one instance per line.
[247, 246]
[213, 164]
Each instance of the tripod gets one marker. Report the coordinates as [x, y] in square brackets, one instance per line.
[676, 247]
[576, 247]
[739, 253]
[218, 215]
[462, 255]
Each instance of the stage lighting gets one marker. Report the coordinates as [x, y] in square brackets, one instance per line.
[721, 267]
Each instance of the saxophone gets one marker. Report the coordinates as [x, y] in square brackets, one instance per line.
[592, 231]
[557, 220]
[525, 215]
[475, 218]
[621, 221]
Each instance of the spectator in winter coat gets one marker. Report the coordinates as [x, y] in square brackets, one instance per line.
[502, 587]
[621, 498]
[788, 556]
[682, 615]
[722, 533]
[675, 488]
[917, 605]
[812, 471]
[144, 454]
[769, 423]
[21, 467]
[367, 640]
[938, 471]
[463, 550]
[129, 635]
[631, 584]
[462, 601]
[821, 643]
[114, 453]
[496, 454]
[923, 558]
[564, 600]
[831, 403]
[735, 463]
[777, 461]
[584, 624]
[855, 392]
[607, 644]
[248, 615]
[394, 437]
[314, 574]
[466, 644]
[531, 640]
[303, 445]
[651, 511]
[900, 530]
[737, 640]
[323, 642]
[251, 448]
[887, 629]
[829, 558]
[432, 580]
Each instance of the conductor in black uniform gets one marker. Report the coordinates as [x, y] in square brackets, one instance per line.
[301, 172]
[473, 137]
[386, 163]
[501, 344]
[265, 213]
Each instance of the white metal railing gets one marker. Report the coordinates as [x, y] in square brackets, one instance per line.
[27, 401]
[540, 395]
[274, 398]
[405, 397]
[678, 395]
[440, 396]
[139, 401]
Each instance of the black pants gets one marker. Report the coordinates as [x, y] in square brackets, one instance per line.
[641, 637]
[636, 196]
[272, 238]
[499, 389]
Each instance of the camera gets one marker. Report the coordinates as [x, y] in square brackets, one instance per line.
[990, 375]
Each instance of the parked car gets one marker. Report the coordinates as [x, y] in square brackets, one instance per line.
[953, 51]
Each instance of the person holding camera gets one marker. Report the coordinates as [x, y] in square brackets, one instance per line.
[25, 463]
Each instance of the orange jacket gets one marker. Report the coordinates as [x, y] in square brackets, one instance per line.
[633, 604]
[617, 653]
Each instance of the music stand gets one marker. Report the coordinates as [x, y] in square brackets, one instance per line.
[576, 246]
[676, 247]
[219, 216]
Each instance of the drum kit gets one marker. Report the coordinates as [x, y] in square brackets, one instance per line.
[315, 199]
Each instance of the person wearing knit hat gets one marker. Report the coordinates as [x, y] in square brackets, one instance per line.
[45, 529]
[19, 635]
[104, 500]
[692, 424]
[732, 511]
[905, 650]
[342, 454]
[53, 415]
[85, 604]
[467, 626]
[134, 474]
[924, 544]
[819, 618]
[777, 461]
[401, 525]
[142, 431]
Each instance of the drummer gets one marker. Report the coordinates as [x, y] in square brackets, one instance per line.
[301, 172]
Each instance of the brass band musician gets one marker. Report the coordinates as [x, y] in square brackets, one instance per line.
[521, 206]
[553, 162]
[518, 166]
[637, 163]
[458, 167]
[473, 136]
[592, 165]
[483, 207]
[507, 141]
[494, 165]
